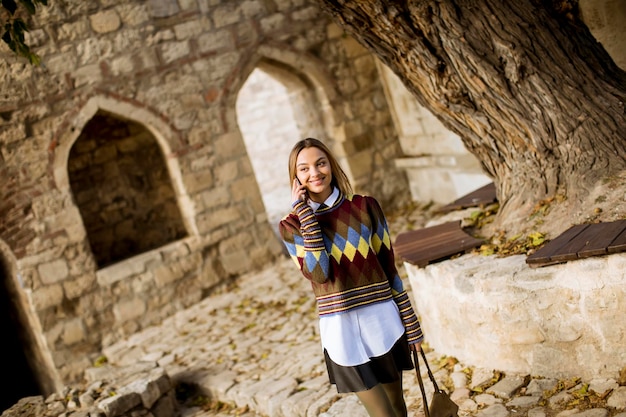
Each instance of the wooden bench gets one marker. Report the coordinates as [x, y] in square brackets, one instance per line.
[581, 241]
[479, 197]
[433, 244]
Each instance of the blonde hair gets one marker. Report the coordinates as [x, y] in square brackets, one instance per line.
[340, 179]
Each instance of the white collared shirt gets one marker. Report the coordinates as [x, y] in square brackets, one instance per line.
[353, 337]
[332, 198]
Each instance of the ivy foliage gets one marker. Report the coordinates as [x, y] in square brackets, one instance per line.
[12, 18]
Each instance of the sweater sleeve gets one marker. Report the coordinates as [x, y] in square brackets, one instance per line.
[305, 244]
[381, 243]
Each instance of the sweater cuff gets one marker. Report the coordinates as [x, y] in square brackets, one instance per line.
[310, 228]
[409, 318]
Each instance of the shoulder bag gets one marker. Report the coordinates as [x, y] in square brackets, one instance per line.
[441, 404]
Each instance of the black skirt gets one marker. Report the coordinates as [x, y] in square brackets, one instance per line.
[383, 369]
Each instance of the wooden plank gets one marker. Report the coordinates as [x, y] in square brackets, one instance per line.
[422, 243]
[411, 236]
[482, 196]
[618, 244]
[432, 244]
[449, 248]
[424, 246]
[544, 255]
[413, 244]
[569, 251]
[604, 235]
[418, 240]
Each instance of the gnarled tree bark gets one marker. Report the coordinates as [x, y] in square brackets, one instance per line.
[525, 85]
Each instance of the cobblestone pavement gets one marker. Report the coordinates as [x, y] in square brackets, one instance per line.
[253, 350]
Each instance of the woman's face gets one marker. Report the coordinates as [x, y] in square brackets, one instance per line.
[313, 171]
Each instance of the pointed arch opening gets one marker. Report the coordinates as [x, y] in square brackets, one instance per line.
[121, 185]
[275, 108]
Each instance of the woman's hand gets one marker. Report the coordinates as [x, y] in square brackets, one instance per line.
[416, 347]
[298, 191]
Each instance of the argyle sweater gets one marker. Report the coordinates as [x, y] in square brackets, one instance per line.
[345, 251]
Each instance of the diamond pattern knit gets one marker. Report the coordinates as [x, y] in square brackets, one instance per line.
[345, 251]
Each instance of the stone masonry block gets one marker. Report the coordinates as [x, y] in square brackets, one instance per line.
[308, 13]
[226, 15]
[199, 181]
[273, 23]
[105, 21]
[88, 74]
[172, 51]
[72, 31]
[151, 387]
[133, 14]
[52, 272]
[237, 262]
[119, 404]
[166, 406]
[209, 221]
[73, 331]
[190, 29]
[12, 133]
[127, 310]
[228, 146]
[129, 267]
[166, 274]
[47, 296]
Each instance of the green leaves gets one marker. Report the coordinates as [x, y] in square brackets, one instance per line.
[10, 6]
[14, 28]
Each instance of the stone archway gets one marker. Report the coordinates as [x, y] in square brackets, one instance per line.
[275, 108]
[282, 97]
[121, 186]
[106, 162]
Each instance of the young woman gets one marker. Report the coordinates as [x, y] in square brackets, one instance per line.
[340, 242]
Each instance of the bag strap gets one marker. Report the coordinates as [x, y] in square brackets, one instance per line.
[421, 383]
[430, 374]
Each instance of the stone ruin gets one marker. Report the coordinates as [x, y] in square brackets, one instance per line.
[144, 163]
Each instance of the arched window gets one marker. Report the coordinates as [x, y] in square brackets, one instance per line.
[122, 188]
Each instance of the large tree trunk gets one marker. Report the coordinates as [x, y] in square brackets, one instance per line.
[528, 89]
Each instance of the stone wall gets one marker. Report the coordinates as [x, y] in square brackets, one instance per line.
[559, 321]
[440, 173]
[173, 70]
[103, 243]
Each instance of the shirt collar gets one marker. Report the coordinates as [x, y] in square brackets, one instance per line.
[332, 198]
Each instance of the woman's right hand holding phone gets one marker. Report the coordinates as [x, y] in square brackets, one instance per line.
[298, 191]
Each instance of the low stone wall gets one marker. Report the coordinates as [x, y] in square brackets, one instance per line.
[558, 321]
[143, 389]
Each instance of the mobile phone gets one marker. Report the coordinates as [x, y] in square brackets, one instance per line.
[306, 192]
